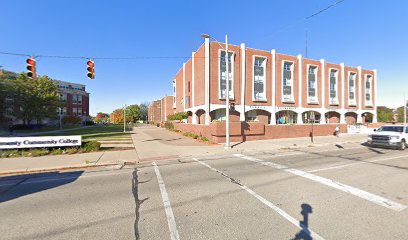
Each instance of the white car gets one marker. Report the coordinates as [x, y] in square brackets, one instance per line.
[389, 136]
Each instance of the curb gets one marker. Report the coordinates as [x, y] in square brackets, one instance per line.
[57, 169]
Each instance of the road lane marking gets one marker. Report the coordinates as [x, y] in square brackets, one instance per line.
[174, 235]
[331, 183]
[281, 212]
[354, 164]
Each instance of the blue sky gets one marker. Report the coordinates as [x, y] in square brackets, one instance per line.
[373, 34]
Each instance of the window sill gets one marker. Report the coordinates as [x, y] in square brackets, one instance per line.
[333, 104]
[289, 101]
[313, 103]
[259, 100]
[352, 105]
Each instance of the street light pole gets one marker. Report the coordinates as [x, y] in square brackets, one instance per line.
[227, 107]
[405, 110]
[124, 118]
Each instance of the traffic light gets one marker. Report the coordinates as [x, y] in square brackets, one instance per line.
[31, 68]
[91, 69]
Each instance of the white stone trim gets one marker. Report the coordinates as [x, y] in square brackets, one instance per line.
[273, 117]
[343, 93]
[323, 82]
[359, 102]
[299, 57]
[243, 79]
[184, 87]
[192, 89]
[375, 120]
[207, 80]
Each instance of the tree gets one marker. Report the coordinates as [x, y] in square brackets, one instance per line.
[133, 113]
[116, 116]
[400, 114]
[384, 114]
[36, 99]
[143, 110]
[101, 117]
[6, 91]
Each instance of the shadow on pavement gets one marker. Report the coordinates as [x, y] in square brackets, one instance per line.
[304, 233]
[13, 187]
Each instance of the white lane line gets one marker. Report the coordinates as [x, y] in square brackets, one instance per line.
[331, 183]
[53, 178]
[281, 212]
[354, 164]
[174, 235]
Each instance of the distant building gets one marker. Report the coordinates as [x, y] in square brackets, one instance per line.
[159, 110]
[75, 99]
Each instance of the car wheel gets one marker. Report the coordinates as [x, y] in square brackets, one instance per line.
[403, 145]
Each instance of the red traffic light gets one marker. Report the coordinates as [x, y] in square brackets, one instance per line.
[30, 61]
[90, 69]
[31, 68]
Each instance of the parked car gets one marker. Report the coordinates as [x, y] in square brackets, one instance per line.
[395, 136]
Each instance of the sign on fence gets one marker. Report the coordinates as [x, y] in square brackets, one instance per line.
[38, 142]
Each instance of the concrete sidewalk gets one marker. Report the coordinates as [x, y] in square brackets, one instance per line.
[154, 144]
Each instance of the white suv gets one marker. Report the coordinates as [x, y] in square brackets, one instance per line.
[390, 136]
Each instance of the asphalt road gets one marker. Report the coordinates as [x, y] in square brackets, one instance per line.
[331, 192]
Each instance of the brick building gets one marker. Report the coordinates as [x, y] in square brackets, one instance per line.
[272, 88]
[75, 100]
[159, 110]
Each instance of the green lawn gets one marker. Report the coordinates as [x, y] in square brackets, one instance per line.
[96, 133]
[45, 129]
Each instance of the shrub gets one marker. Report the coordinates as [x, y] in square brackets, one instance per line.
[39, 152]
[204, 139]
[91, 146]
[178, 116]
[71, 150]
[89, 123]
[169, 126]
[57, 151]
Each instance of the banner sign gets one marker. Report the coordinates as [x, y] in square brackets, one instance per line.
[39, 142]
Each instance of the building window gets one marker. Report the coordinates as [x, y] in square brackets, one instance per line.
[368, 90]
[174, 93]
[219, 115]
[80, 111]
[79, 99]
[286, 117]
[352, 88]
[312, 84]
[223, 75]
[287, 82]
[74, 99]
[252, 116]
[333, 87]
[74, 111]
[188, 86]
[259, 78]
